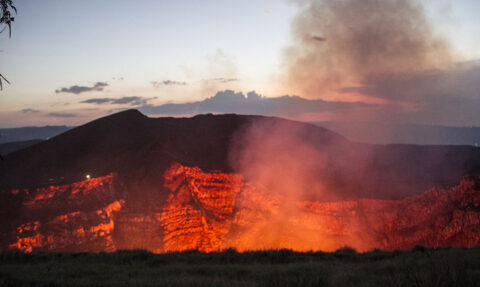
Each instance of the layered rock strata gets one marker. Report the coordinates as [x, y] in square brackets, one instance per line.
[212, 210]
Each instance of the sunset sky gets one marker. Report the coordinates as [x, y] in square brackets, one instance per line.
[73, 61]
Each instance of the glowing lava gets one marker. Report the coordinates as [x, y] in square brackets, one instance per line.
[199, 209]
[89, 227]
[213, 210]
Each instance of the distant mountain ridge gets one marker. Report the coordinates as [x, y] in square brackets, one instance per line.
[365, 132]
[385, 133]
[31, 133]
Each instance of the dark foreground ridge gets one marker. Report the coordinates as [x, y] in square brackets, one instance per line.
[417, 267]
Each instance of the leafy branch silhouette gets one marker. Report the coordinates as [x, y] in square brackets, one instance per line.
[7, 8]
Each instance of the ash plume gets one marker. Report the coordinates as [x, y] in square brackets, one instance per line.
[368, 40]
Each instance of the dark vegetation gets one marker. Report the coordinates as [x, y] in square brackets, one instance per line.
[345, 267]
[7, 9]
[7, 18]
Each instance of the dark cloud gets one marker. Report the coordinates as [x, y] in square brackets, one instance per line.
[62, 115]
[97, 101]
[447, 97]
[99, 86]
[230, 102]
[27, 111]
[169, 82]
[318, 38]
[134, 101]
[157, 84]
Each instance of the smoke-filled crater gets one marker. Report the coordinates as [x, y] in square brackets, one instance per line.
[250, 183]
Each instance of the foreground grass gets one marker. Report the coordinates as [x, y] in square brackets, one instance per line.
[418, 267]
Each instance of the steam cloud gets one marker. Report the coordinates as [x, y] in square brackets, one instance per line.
[383, 52]
[366, 40]
[278, 155]
[279, 158]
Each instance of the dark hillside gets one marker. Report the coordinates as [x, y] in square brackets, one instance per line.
[139, 149]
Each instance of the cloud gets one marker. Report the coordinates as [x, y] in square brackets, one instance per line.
[169, 82]
[118, 78]
[134, 101]
[425, 86]
[225, 80]
[229, 101]
[97, 101]
[157, 84]
[386, 52]
[366, 40]
[27, 111]
[99, 86]
[131, 100]
[447, 97]
[62, 115]
[318, 38]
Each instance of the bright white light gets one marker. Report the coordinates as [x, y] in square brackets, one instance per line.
[87, 176]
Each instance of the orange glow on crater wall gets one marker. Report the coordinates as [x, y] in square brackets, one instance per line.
[210, 211]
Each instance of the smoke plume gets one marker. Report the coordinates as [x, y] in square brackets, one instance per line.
[279, 156]
[285, 167]
[362, 43]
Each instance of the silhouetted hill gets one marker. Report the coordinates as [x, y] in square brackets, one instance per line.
[139, 149]
[30, 133]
